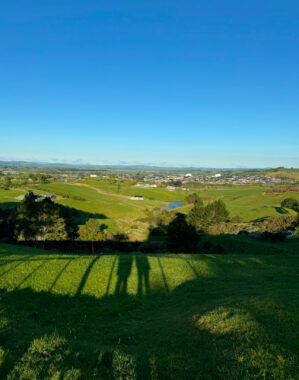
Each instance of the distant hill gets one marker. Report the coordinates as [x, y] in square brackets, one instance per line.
[60, 165]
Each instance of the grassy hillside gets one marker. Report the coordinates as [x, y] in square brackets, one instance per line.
[284, 173]
[148, 316]
[106, 201]
[249, 201]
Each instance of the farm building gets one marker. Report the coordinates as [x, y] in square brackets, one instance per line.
[137, 198]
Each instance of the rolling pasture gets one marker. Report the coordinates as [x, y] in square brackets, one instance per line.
[110, 202]
[251, 202]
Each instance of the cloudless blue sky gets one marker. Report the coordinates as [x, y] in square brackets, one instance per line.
[205, 83]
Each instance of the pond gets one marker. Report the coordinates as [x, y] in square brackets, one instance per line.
[173, 205]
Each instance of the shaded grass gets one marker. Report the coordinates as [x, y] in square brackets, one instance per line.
[195, 317]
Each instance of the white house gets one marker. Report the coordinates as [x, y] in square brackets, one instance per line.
[93, 175]
[137, 198]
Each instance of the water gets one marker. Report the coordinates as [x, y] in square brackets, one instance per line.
[172, 205]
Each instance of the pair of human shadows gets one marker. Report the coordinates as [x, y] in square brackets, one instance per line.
[125, 264]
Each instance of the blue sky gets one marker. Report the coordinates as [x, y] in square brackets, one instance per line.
[201, 83]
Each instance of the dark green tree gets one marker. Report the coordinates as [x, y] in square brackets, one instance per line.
[196, 214]
[39, 219]
[192, 198]
[202, 217]
[181, 236]
[291, 203]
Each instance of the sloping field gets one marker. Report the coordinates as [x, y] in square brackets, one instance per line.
[111, 206]
[248, 201]
[148, 316]
[251, 202]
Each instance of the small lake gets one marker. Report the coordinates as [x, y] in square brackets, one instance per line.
[173, 205]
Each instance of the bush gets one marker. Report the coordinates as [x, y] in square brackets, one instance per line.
[243, 233]
[274, 236]
[280, 224]
[290, 203]
[236, 219]
[158, 231]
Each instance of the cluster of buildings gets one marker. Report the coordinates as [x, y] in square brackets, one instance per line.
[173, 180]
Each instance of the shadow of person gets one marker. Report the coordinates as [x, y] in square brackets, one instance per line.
[143, 268]
[123, 272]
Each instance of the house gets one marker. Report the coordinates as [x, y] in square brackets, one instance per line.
[92, 175]
[137, 198]
[50, 195]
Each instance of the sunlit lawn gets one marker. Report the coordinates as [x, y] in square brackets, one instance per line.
[148, 316]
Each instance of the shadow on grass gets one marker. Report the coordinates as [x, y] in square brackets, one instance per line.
[221, 327]
[280, 210]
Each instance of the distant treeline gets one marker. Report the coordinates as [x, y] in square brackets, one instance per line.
[283, 189]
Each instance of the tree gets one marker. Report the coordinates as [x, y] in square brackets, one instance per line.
[26, 220]
[181, 236]
[39, 219]
[158, 217]
[202, 217]
[90, 231]
[291, 203]
[51, 225]
[192, 198]
[196, 214]
[7, 182]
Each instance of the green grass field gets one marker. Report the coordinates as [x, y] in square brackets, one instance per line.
[248, 201]
[121, 213]
[148, 316]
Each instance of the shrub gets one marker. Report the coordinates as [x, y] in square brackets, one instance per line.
[243, 233]
[273, 236]
[158, 231]
[236, 219]
[280, 224]
[290, 203]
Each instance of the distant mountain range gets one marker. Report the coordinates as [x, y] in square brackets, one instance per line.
[57, 165]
